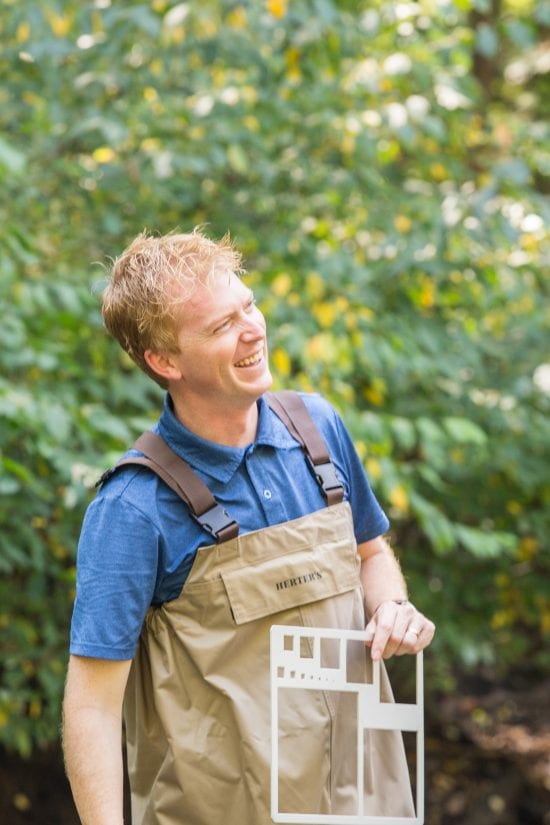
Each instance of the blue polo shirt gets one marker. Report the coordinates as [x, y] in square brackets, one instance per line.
[138, 541]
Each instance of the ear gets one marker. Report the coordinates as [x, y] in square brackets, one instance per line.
[163, 364]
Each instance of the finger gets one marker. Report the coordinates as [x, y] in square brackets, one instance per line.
[380, 626]
[427, 634]
[417, 637]
[393, 644]
[389, 631]
[411, 642]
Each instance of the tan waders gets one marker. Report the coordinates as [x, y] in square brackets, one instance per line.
[197, 706]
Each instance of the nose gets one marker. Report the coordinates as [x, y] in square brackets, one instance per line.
[253, 326]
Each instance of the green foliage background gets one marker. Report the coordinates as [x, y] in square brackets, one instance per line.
[385, 169]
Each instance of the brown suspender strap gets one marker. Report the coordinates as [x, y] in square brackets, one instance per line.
[204, 508]
[292, 411]
[195, 493]
[178, 475]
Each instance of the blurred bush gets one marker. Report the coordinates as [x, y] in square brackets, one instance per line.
[385, 169]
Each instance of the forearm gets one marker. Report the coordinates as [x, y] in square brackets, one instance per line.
[381, 576]
[395, 625]
[93, 761]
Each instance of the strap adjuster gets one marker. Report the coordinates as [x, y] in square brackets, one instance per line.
[325, 475]
[217, 521]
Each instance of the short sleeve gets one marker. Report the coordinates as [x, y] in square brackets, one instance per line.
[369, 519]
[116, 572]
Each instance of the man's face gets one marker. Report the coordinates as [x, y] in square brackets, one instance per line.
[223, 350]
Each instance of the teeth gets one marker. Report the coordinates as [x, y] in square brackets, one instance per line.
[247, 362]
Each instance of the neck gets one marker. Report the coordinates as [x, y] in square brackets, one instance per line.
[231, 428]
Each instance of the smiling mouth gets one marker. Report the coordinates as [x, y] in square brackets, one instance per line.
[252, 360]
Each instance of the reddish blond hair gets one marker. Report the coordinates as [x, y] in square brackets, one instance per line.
[151, 279]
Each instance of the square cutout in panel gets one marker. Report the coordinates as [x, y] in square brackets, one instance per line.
[338, 674]
[330, 652]
[306, 647]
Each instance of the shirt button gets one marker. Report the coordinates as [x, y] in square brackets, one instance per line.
[267, 493]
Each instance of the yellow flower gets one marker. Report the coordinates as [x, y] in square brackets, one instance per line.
[237, 18]
[292, 56]
[315, 286]
[439, 172]
[150, 144]
[23, 32]
[399, 498]
[252, 123]
[427, 294]
[278, 8]
[104, 154]
[281, 362]
[325, 313]
[150, 94]
[374, 469]
[347, 145]
[376, 392]
[321, 348]
[501, 618]
[528, 548]
[59, 24]
[402, 223]
[281, 284]
[514, 507]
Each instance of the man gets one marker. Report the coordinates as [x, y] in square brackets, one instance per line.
[169, 585]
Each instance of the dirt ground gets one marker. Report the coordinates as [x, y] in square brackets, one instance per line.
[487, 763]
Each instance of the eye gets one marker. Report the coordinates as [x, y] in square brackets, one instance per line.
[250, 304]
[223, 326]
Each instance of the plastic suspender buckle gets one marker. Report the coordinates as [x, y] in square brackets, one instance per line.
[325, 475]
[218, 523]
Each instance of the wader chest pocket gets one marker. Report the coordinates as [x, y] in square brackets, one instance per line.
[291, 580]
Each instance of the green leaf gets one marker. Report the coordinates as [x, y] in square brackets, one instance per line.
[404, 432]
[237, 158]
[514, 171]
[486, 40]
[104, 423]
[520, 33]
[435, 524]
[11, 159]
[464, 431]
[541, 13]
[9, 486]
[484, 544]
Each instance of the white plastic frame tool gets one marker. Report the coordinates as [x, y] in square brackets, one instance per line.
[290, 669]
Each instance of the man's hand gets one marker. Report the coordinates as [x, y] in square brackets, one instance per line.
[398, 628]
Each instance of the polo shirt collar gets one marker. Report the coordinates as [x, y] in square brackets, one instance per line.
[217, 460]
